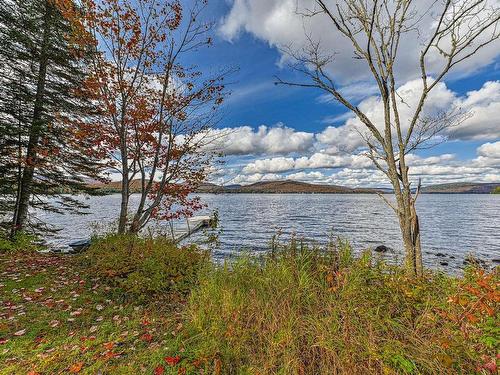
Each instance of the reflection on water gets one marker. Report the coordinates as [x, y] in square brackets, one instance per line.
[453, 224]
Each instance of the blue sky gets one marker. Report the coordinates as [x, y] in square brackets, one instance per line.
[247, 35]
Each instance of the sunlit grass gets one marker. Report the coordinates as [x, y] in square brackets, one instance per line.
[296, 310]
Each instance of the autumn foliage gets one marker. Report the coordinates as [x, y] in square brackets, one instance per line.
[156, 110]
[295, 310]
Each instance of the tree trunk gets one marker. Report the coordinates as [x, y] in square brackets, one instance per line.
[410, 231]
[25, 189]
[122, 222]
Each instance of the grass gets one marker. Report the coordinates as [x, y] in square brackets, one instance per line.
[296, 310]
[55, 319]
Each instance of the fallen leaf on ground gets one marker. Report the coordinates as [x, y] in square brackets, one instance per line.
[109, 345]
[147, 337]
[76, 367]
[172, 361]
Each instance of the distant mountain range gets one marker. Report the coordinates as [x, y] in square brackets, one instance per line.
[296, 187]
[462, 188]
[284, 187]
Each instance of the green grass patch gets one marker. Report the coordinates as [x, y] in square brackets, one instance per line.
[296, 310]
[306, 311]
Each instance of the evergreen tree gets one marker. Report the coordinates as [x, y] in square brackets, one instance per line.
[42, 69]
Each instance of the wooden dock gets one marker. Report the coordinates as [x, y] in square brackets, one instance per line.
[193, 225]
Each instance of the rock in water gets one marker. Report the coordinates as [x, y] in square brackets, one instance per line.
[381, 249]
[79, 246]
[471, 260]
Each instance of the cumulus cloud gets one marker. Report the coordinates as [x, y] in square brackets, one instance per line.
[489, 150]
[488, 156]
[317, 160]
[357, 171]
[279, 23]
[482, 107]
[245, 140]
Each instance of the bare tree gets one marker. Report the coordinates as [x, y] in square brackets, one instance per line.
[375, 29]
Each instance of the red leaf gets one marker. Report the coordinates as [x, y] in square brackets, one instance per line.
[172, 361]
[491, 366]
[147, 337]
[159, 370]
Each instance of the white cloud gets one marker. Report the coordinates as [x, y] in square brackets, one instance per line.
[357, 171]
[245, 140]
[279, 164]
[416, 160]
[317, 160]
[278, 23]
[489, 150]
[482, 105]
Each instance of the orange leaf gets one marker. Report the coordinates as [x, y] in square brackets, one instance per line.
[109, 345]
[76, 367]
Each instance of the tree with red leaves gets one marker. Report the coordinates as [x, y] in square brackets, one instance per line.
[156, 109]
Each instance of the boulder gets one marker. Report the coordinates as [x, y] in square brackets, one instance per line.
[471, 260]
[382, 249]
[79, 245]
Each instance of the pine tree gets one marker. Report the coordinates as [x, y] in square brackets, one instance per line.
[41, 69]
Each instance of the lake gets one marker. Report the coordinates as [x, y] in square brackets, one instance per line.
[451, 224]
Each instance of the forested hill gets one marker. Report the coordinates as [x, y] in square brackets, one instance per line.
[296, 187]
[461, 188]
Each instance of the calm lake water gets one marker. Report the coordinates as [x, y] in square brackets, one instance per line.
[452, 224]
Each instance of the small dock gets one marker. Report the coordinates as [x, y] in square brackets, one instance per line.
[193, 225]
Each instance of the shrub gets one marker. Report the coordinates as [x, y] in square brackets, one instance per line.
[145, 267]
[21, 242]
[299, 310]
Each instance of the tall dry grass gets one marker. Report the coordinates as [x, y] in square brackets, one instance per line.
[301, 310]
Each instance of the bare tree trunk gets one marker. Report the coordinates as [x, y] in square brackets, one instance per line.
[406, 213]
[25, 188]
[410, 232]
[122, 222]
